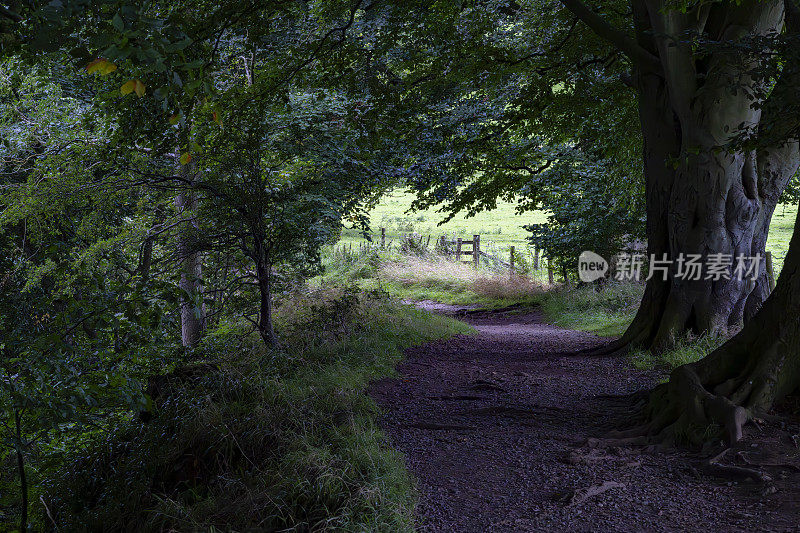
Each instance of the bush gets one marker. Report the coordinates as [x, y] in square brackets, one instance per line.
[266, 440]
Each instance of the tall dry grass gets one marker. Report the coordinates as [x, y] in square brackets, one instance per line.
[444, 275]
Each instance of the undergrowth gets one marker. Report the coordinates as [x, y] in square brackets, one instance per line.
[256, 439]
[688, 349]
[443, 280]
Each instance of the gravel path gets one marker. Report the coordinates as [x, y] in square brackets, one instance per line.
[494, 427]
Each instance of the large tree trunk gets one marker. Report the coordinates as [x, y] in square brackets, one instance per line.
[741, 379]
[701, 199]
[191, 265]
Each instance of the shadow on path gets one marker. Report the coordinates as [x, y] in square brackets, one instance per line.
[494, 427]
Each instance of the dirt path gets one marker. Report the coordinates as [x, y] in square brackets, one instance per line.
[494, 428]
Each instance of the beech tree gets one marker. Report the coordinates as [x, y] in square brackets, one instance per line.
[707, 192]
[699, 90]
[742, 379]
[720, 146]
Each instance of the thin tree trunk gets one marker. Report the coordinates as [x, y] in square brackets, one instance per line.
[191, 265]
[146, 260]
[23, 478]
[264, 273]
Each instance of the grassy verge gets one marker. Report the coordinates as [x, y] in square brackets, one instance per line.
[262, 440]
[686, 350]
[604, 311]
[608, 311]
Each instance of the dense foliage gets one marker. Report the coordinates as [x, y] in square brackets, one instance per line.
[165, 168]
[170, 172]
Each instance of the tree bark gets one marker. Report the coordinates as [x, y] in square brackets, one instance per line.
[702, 199]
[264, 274]
[191, 265]
[740, 380]
[23, 478]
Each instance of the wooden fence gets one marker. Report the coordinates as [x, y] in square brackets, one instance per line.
[456, 248]
[459, 248]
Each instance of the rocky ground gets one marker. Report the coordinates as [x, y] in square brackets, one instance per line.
[498, 429]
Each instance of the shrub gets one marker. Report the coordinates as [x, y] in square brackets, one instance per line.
[264, 440]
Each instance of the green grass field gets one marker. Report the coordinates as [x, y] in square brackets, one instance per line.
[502, 227]
[780, 233]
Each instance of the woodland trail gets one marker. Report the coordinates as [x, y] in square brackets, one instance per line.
[494, 428]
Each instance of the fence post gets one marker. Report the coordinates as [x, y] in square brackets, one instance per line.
[550, 271]
[383, 238]
[511, 263]
[442, 246]
[770, 272]
[476, 250]
[458, 250]
[536, 259]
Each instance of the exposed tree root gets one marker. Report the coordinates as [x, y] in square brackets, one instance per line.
[738, 472]
[686, 410]
[738, 381]
[716, 396]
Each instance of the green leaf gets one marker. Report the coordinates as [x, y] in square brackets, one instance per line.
[118, 23]
[178, 46]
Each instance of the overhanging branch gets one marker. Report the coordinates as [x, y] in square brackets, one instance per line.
[779, 120]
[618, 38]
[7, 13]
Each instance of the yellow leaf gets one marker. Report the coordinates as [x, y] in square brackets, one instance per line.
[174, 119]
[91, 66]
[185, 158]
[101, 66]
[128, 87]
[215, 116]
[94, 66]
[139, 88]
[108, 68]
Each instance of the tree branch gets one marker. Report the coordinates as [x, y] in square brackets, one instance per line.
[779, 119]
[7, 13]
[603, 29]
